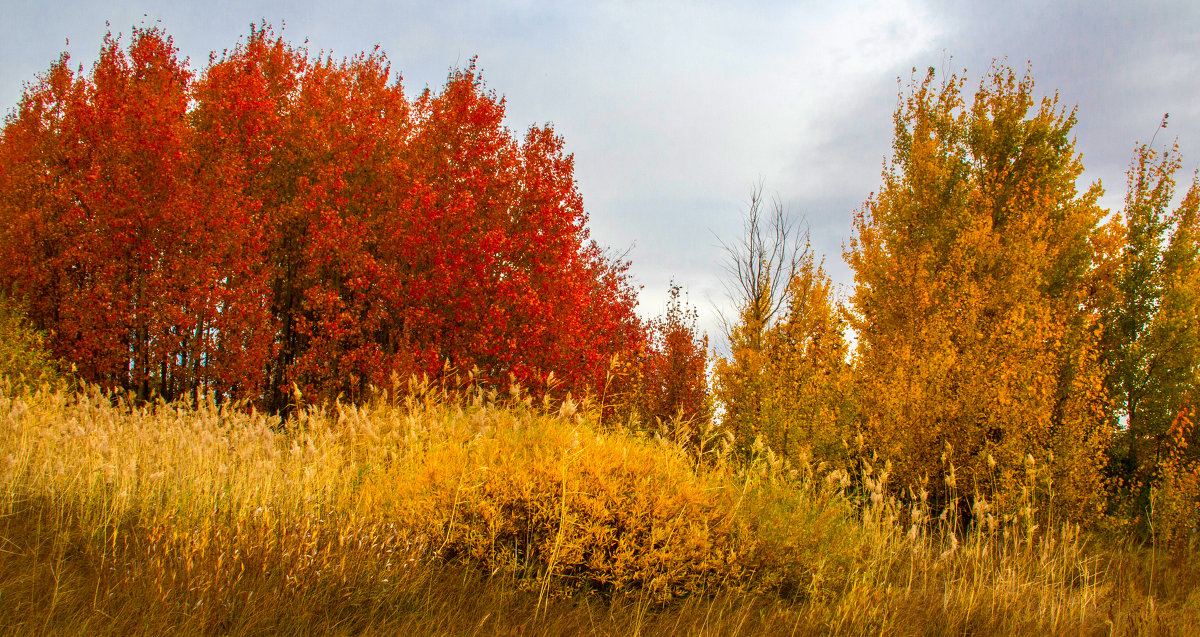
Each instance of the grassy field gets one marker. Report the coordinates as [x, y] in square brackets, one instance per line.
[485, 514]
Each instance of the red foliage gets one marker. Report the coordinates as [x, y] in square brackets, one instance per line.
[284, 219]
[134, 253]
[675, 382]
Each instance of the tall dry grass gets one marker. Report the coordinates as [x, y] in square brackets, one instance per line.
[483, 514]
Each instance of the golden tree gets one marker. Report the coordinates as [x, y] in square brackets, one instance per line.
[977, 278]
[806, 380]
[783, 383]
[760, 266]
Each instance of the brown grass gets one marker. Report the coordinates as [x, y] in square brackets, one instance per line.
[480, 514]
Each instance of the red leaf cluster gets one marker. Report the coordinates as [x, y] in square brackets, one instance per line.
[675, 369]
[281, 218]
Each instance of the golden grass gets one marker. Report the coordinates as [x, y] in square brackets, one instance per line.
[478, 514]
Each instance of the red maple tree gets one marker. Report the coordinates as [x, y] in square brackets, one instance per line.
[283, 218]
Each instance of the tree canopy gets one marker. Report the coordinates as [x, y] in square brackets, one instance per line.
[280, 218]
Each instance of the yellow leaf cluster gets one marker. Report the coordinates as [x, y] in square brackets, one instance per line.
[786, 384]
[976, 277]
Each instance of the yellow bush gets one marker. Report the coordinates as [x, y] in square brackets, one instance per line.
[558, 499]
[546, 498]
[122, 518]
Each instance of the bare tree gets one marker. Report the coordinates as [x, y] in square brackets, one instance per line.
[760, 265]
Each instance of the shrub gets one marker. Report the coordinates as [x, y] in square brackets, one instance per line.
[23, 354]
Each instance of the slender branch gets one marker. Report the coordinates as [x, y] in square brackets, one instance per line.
[761, 263]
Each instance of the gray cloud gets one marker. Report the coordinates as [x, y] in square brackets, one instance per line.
[1124, 64]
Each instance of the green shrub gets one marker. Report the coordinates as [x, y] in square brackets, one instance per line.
[24, 358]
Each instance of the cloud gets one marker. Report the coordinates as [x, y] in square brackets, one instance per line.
[1124, 64]
[674, 109]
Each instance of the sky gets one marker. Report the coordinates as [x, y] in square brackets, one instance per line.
[675, 111]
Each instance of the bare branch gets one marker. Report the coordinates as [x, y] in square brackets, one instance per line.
[760, 264]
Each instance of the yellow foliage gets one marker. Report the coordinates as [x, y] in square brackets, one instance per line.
[542, 497]
[976, 292]
[1175, 494]
[122, 518]
[786, 383]
[23, 354]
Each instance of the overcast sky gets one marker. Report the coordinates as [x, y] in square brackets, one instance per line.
[675, 110]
